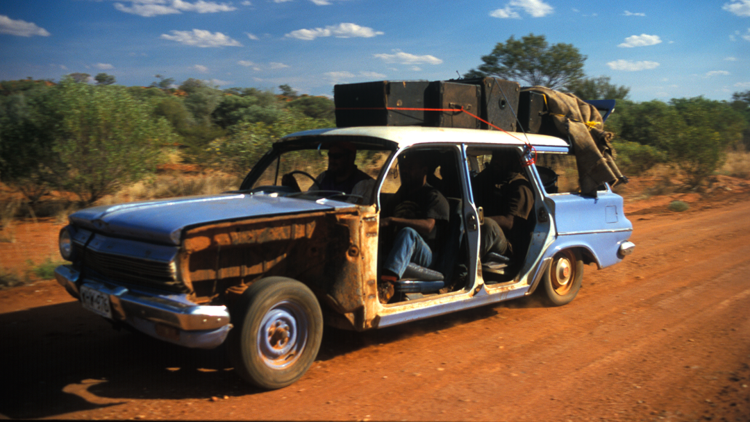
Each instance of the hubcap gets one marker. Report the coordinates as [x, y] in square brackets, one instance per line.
[282, 335]
[563, 273]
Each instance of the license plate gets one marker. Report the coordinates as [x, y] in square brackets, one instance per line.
[95, 301]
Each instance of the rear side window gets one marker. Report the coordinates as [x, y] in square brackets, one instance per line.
[559, 172]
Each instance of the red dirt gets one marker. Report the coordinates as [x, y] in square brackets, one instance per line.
[665, 335]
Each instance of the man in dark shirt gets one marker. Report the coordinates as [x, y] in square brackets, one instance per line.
[507, 199]
[342, 174]
[419, 212]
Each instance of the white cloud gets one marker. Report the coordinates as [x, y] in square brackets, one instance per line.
[746, 37]
[340, 75]
[104, 66]
[717, 73]
[276, 66]
[631, 66]
[642, 40]
[321, 2]
[251, 36]
[281, 1]
[202, 38]
[246, 3]
[731, 59]
[373, 75]
[151, 8]
[406, 58]
[200, 68]
[505, 13]
[535, 8]
[628, 13]
[342, 30]
[20, 28]
[219, 82]
[738, 7]
[742, 85]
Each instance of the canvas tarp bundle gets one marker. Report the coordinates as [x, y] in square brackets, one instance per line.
[581, 124]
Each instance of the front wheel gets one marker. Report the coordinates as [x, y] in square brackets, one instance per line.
[278, 332]
[563, 279]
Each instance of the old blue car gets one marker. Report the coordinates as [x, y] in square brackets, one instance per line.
[265, 267]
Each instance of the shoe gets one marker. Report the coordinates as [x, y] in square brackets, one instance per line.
[385, 289]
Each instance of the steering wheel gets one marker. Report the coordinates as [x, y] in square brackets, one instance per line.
[304, 173]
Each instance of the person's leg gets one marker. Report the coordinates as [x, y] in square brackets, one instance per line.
[407, 247]
[492, 238]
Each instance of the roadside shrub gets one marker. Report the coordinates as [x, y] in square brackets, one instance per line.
[678, 206]
[10, 279]
[104, 138]
[45, 270]
[634, 158]
[248, 142]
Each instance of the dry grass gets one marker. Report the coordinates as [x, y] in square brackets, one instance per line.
[8, 213]
[737, 165]
[173, 185]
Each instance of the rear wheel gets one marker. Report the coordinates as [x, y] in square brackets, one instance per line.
[278, 332]
[563, 279]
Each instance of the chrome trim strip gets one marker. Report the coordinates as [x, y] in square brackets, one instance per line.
[595, 232]
[480, 299]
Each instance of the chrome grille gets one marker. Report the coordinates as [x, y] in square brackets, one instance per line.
[124, 268]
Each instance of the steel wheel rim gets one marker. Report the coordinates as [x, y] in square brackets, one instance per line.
[562, 273]
[283, 335]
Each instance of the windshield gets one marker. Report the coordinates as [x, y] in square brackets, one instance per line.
[340, 170]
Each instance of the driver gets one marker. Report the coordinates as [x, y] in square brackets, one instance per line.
[342, 174]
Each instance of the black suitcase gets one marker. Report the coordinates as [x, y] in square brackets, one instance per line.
[531, 111]
[457, 96]
[375, 103]
[499, 101]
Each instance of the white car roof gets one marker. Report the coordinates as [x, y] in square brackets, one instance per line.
[410, 135]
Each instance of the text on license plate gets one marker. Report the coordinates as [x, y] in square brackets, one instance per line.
[95, 301]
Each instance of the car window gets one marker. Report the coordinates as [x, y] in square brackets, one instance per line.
[559, 172]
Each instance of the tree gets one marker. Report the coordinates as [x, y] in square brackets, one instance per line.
[598, 89]
[27, 124]
[103, 138]
[164, 83]
[80, 77]
[287, 91]
[741, 103]
[104, 79]
[315, 107]
[247, 141]
[533, 61]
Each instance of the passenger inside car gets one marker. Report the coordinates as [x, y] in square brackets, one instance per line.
[504, 193]
[342, 174]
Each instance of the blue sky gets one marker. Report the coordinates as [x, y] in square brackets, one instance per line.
[660, 49]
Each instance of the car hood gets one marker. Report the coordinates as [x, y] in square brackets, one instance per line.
[163, 221]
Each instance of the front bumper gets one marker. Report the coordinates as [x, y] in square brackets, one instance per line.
[168, 317]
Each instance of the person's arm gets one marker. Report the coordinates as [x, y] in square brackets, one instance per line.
[423, 226]
[504, 221]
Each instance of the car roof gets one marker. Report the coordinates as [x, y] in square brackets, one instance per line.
[405, 136]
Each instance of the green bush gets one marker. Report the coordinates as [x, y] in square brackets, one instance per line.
[634, 158]
[45, 270]
[678, 206]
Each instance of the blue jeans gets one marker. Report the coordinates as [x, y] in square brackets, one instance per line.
[408, 247]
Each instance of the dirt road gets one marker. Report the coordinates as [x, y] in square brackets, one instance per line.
[663, 336]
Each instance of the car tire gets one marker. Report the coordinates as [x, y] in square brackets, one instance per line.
[277, 333]
[563, 278]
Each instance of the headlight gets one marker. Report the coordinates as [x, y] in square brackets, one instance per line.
[66, 244]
